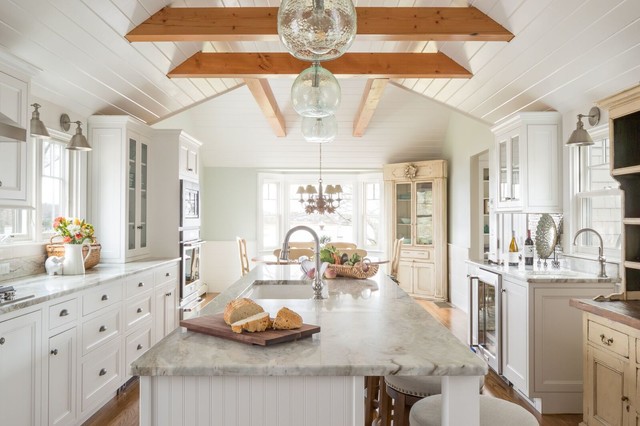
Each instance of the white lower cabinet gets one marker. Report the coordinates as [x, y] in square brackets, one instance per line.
[100, 375]
[418, 278]
[514, 333]
[167, 309]
[63, 360]
[137, 343]
[21, 369]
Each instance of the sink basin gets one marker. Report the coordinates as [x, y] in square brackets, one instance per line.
[290, 289]
[552, 273]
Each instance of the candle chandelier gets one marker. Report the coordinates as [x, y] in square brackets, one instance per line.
[320, 200]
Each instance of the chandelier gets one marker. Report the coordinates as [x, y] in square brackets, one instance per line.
[320, 200]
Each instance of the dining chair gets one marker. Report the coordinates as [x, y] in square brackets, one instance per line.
[302, 244]
[342, 245]
[244, 259]
[395, 259]
[294, 253]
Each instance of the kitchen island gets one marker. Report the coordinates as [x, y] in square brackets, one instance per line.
[368, 328]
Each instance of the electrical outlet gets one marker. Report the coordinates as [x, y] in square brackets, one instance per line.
[4, 268]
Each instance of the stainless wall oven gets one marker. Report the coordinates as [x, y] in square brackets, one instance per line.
[189, 204]
[192, 287]
[485, 336]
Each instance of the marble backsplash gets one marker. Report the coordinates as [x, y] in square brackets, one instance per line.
[23, 260]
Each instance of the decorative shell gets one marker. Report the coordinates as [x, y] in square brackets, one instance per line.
[410, 171]
[546, 236]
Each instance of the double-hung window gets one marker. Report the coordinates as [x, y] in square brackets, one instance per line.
[54, 183]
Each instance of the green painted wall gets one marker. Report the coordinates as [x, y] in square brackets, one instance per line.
[229, 198]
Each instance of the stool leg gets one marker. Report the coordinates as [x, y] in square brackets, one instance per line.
[369, 398]
[400, 412]
[385, 404]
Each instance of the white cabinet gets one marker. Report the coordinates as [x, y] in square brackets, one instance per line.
[62, 378]
[120, 178]
[189, 158]
[527, 160]
[21, 369]
[167, 313]
[16, 157]
[514, 333]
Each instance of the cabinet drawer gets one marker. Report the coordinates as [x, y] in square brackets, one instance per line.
[605, 337]
[99, 330]
[137, 311]
[136, 344]
[166, 273]
[63, 313]
[102, 297]
[424, 254]
[138, 284]
[100, 375]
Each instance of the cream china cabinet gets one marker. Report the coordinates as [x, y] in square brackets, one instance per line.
[417, 208]
[528, 152]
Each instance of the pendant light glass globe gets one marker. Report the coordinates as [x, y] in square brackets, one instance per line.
[315, 92]
[317, 30]
[319, 130]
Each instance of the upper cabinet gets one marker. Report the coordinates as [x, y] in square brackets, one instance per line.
[189, 157]
[16, 157]
[527, 163]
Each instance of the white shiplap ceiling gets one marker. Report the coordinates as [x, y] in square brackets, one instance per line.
[566, 54]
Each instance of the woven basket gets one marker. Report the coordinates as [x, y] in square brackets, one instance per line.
[57, 249]
[355, 271]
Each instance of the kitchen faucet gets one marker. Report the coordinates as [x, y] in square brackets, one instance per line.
[284, 255]
[601, 258]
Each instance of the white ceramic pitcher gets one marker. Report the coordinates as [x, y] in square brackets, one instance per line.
[73, 263]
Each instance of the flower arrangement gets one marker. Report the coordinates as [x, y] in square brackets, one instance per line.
[73, 230]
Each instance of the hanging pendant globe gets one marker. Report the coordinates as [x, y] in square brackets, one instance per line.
[319, 130]
[315, 92]
[317, 30]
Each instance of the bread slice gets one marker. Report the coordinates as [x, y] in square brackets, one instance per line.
[239, 309]
[286, 319]
[257, 322]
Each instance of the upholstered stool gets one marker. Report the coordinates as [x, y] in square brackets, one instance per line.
[406, 391]
[493, 412]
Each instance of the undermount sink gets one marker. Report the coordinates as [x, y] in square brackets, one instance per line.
[284, 289]
[553, 273]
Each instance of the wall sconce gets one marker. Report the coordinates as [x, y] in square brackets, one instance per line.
[78, 141]
[580, 137]
[37, 126]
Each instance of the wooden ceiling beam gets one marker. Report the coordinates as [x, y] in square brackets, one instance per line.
[261, 91]
[374, 24]
[370, 98]
[270, 65]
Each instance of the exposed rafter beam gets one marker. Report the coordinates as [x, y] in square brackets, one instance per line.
[374, 23]
[372, 65]
[263, 94]
[370, 98]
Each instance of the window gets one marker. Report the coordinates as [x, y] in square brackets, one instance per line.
[597, 202]
[372, 213]
[54, 184]
[270, 223]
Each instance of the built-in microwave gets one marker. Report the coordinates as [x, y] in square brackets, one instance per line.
[189, 204]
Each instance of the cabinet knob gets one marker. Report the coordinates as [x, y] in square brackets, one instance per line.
[139, 227]
[104, 297]
[64, 313]
[141, 284]
[190, 169]
[0, 183]
[102, 372]
[139, 310]
[167, 274]
[102, 329]
[169, 294]
[2, 340]
[607, 342]
[625, 398]
[54, 352]
[504, 290]
[139, 346]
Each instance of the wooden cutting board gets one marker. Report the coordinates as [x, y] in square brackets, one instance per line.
[214, 325]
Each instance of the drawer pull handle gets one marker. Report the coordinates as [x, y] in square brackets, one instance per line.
[139, 346]
[140, 284]
[102, 372]
[606, 341]
[54, 352]
[102, 329]
[169, 294]
[2, 340]
[64, 313]
[139, 310]
[104, 297]
[190, 169]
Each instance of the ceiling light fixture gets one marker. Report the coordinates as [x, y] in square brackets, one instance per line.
[315, 92]
[37, 127]
[580, 137]
[78, 141]
[320, 200]
[319, 129]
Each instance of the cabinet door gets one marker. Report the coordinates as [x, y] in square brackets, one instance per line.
[543, 188]
[171, 307]
[403, 212]
[514, 334]
[606, 389]
[62, 378]
[424, 279]
[21, 370]
[137, 195]
[405, 275]
[424, 214]
[509, 173]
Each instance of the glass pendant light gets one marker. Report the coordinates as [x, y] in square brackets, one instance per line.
[319, 130]
[315, 92]
[317, 30]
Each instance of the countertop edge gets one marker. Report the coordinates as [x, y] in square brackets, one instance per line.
[605, 311]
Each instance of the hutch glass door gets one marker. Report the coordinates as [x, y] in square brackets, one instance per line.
[403, 212]
[424, 213]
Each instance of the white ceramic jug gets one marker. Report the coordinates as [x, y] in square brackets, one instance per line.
[73, 263]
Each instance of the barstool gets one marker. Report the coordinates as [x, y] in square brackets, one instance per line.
[493, 412]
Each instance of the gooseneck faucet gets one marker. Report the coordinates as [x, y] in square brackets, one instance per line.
[601, 258]
[284, 255]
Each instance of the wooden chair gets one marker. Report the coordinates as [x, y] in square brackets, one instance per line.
[294, 253]
[342, 245]
[395, 259]
[244, 259]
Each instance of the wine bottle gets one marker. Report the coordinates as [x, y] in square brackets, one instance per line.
[528, 250]
[513, 250]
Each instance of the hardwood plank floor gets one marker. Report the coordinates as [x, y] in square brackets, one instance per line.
[123, 409]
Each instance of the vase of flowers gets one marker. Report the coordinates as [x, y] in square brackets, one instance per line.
[76, 233]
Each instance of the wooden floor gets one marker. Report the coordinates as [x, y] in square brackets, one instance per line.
[123, 409]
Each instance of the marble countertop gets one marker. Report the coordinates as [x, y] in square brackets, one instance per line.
[623, 311]
[538, 274]
[369, 328]
[46, 287]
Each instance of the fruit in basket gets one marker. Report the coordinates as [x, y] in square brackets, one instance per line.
[344, 258]
[330, 273]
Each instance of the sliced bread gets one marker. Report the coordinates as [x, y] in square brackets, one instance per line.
[239, 309]
[286, 319]
[257, 322]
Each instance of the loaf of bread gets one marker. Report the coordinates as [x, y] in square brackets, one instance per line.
[286, 319]
[257, 322]
[239, 309]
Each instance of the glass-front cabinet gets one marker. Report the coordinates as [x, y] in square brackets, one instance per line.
[509, 170]
[414, 213]
[137, 195]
